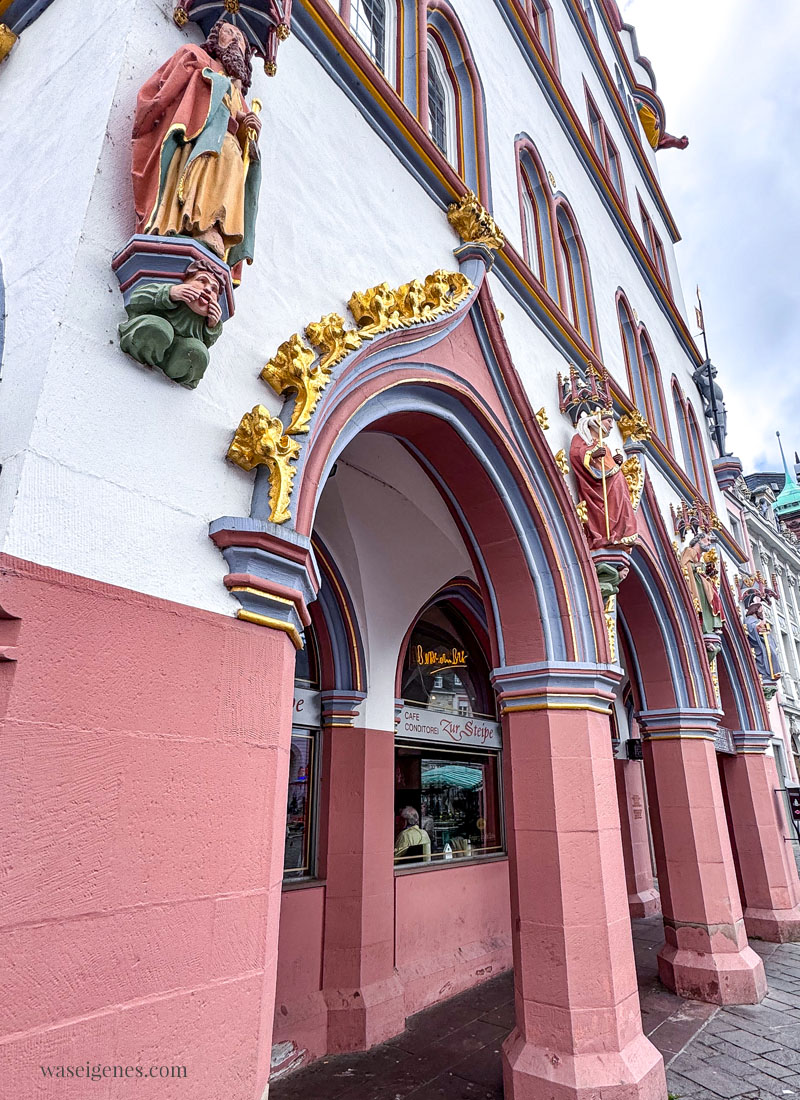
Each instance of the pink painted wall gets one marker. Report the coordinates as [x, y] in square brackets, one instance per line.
[453, 929]
[300, 1012]
[143, 771]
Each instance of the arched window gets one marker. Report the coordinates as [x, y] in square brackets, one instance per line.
[575, 281]
[701, 478]
[656, 413]
[588, 8]
[537, 223]
[541, 18]
[683, 429]
[630, 351]
[373, 24]
[452, 107]
[442, 113]
[447, 753]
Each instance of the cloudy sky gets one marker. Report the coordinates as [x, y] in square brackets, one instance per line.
[729, 76]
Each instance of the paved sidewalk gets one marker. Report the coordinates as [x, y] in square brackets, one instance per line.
[452, 1050]
[751, 1050]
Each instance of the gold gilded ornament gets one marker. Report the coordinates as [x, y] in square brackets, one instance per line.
[7, 40]
[634, 426]
[474, 223]
[282, 30]
[232, 6]
[375, 310]
[611, 628]
[270, 68]
[261, 441]
[581, 509]
[332, 339]
[634, 475]
[180, 16]
[561, 462]
[290, 370]
[541, 416]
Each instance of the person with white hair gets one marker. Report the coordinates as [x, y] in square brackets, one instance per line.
[609, 519]
[412, 842]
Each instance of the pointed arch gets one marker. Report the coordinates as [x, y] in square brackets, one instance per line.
[630, 353]
[575, 283]
[536, 214]
[701, 476]
[452, 106]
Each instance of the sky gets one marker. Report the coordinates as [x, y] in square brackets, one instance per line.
[728, 74]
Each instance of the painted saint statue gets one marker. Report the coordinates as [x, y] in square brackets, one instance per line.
[761, 640]
[609, 516]
[700, 565]
[196, 167]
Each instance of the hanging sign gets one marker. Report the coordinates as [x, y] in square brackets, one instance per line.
[794, 803]
[418, 724]
[306, 711]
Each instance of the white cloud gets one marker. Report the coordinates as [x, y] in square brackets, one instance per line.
[728, 75]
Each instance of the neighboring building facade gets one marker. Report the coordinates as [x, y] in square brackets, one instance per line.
[291, 755]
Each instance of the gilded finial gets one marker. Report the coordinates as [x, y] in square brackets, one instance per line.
[474, 223]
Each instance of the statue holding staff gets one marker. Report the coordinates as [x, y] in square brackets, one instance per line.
[610, 518]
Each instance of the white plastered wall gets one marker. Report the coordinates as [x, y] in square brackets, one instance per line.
[396, 544]
[110, 470]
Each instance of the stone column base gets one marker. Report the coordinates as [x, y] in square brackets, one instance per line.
[360, 1018]
[720, 978]
[644, 903]
[773, 925]
[535, 1073]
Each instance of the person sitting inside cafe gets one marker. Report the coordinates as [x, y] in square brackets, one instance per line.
[412, 842]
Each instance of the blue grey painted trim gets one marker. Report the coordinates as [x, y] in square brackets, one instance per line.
[272, 567]
[678, 602]
[539, 72]
[308, 32]
[343, 671]
[741, 707]
[23, 12]
[634, 673]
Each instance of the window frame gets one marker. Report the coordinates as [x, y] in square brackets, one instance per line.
[442, 68]
[605, 147]
[389, 68]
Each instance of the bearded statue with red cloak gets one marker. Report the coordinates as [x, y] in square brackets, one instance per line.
[196, 167]
[608, 515]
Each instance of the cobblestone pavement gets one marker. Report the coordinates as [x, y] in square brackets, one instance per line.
[750, 1050]
[452, 1050]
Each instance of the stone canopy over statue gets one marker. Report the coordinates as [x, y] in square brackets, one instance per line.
[196, 169]
[755, 595]
[699, 562]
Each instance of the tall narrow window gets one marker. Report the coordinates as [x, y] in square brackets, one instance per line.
[373, 24]
[540, 17]
[575, 289]
[698, 454]
[537, 224]
[605, 147]
[630, 351]
[441, 104]
[654, 246]
[589, 9]
[299, 858]
[656, 412]
[683, 429]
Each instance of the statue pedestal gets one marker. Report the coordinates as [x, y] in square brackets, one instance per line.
[147, 258]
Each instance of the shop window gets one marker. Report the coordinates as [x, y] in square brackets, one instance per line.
[299, 859]
[447, 754]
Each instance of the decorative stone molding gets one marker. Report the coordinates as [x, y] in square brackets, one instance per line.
[260, 440]
[545, 686]
[679, 722]
[341, 708]
[634, 427]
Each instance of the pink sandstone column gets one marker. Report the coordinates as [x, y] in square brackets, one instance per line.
[765, 859]
[643, 899]
[706, 955]
[578, 1023]
[361, 987]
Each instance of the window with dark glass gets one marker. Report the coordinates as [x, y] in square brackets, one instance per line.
[368, 23]
[447, 755]
[437, 104]
[299, 859]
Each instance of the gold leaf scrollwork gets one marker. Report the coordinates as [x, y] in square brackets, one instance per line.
[541, 416]
[562, 462]
[474, 223]
[332, 339]
[634, 475]
[381, 309]
[290, 370]
[634, 426]
[375, 310]
[582, 510]
[260, 440]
